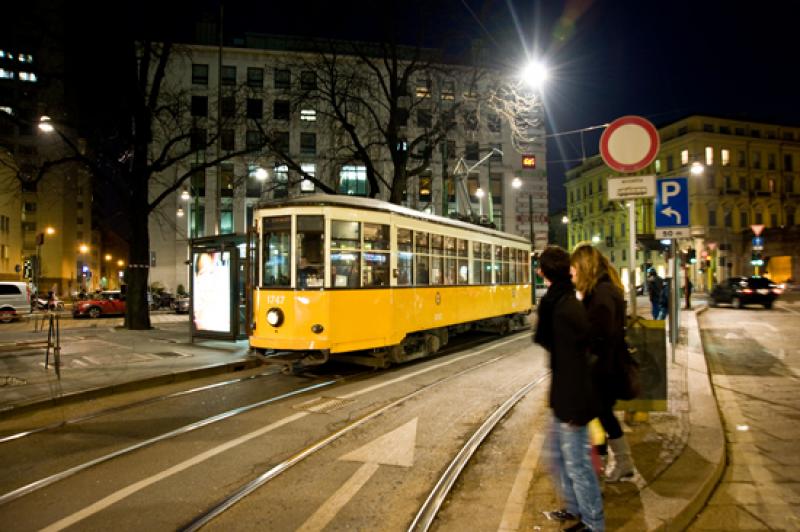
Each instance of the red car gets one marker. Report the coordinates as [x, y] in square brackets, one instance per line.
[103, 304]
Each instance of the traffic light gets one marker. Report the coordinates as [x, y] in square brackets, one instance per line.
[756, 259]
[692, 256]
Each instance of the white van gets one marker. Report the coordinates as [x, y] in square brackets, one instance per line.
[15, 298]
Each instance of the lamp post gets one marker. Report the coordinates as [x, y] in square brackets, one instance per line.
[479, 194]
[516, 183]
[83, 249]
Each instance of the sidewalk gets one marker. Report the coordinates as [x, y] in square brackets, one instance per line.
[680, 453]
[97, 359]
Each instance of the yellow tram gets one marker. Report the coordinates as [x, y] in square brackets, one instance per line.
[377, 283]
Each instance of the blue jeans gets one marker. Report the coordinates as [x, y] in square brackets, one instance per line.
[656, 309]
[575, 474]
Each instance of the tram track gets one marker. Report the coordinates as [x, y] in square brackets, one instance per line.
[273, 472]
[439, 361]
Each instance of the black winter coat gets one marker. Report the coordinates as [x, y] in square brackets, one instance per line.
[563, 329]
[605, 308]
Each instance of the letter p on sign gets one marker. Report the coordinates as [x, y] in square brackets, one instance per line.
[669, 189]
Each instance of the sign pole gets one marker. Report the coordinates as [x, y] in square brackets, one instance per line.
[632, 257]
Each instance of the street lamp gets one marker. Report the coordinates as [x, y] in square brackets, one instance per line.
[565, 219]
[697, 168]
[46, 124]
[534, 74]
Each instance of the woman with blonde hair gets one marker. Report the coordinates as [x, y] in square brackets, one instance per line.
[599, 285]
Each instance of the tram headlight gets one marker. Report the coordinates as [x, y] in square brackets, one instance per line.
[275, 317]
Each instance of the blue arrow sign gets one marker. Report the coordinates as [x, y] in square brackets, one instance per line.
[672, 202]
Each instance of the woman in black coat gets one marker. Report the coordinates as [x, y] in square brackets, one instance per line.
[599, 284]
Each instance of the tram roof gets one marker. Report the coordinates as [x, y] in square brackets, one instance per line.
[361, 202]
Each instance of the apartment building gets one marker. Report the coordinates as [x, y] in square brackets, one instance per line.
[260, 77]
[748, 175]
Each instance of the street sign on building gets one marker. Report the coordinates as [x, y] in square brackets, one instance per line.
[672, 207]
[635, 187]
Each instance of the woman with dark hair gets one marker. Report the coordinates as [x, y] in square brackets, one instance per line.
[600, 288]
[562, 328]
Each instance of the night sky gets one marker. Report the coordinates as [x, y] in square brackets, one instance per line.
[661, 60]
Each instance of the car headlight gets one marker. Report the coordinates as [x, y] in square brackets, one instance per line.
[275, 317]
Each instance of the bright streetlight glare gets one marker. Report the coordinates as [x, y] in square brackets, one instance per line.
[185, 196]
[534, 74]
[180, 212]
[260, 174]
[108, 256]
[479, 192]
[50, 230]
[120, 263]
[595, 239]
[45, 125]
[83, 248]
[516, 182]
[697, 168]
[565, 219]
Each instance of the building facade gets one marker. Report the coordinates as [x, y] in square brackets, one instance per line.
[45, 218]
[749, 176]
[262, 82]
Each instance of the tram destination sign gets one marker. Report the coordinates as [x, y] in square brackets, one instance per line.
[635, 187]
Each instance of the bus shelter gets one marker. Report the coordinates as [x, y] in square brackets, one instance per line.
[220, 278]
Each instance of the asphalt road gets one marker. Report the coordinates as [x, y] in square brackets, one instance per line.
[372, 477]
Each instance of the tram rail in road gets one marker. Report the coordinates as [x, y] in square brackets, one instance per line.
[408, 372]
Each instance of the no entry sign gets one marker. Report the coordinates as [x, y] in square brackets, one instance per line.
[629, 144]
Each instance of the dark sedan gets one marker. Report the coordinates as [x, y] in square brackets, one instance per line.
[741, 291]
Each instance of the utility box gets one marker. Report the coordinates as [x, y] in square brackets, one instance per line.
[649, 339]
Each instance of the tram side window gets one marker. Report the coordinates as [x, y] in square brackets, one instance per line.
[450, 263]
[276, 251]
[506, 266]
[421, 258]
[345, 254]
[405, 256]
[522, 266]
[463, 262]
[437, 260]
[477, 263]
[376, 255]
[497, 265]
[310, 251]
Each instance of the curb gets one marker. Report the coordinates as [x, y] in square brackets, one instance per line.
[678, 495]
[149, 382]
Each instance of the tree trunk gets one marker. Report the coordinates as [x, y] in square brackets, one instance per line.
[137, 316]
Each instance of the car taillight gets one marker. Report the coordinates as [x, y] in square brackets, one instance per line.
[777, 291]
[747, 290]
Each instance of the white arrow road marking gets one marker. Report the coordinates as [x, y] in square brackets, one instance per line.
[669, 211]
[394, 448]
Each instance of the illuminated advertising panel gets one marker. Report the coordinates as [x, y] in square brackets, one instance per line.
[212, 291]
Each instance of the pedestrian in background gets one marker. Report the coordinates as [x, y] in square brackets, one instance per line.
[688, 292]
[601, 290]
[654, 287]
[563, 328]
[664, 302]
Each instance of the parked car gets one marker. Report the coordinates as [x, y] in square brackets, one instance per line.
[741, 291]
[106, 303]
[181, 304]
[15, 298]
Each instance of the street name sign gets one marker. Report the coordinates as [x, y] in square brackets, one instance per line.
[634, 187]
[672, 207]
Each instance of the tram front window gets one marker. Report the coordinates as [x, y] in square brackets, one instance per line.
[276, 251]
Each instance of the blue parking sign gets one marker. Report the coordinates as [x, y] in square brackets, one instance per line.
[672, 202]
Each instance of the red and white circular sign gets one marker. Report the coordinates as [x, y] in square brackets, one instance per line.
[629, 144]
